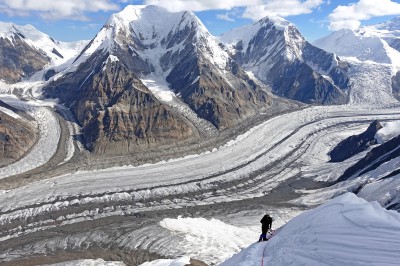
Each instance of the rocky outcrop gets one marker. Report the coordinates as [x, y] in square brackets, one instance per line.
[18, 60]
[277, 54]
[355, 144]
[224, 103]
[16, 137]
[117, 112]
[376, 157]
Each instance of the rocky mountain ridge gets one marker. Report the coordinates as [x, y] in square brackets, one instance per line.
[25, 50]
[355, 144]
[176, 48]
[200, 84]
[277, 54]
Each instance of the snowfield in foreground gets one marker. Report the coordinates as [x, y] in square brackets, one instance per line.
[344, 231]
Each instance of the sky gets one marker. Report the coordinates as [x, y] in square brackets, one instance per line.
[69, 20]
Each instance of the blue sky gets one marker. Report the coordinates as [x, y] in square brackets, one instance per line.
[69, 20]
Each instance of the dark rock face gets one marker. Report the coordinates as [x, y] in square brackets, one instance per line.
[18, 60]
[49, 73]
[394, 43]
[377, 156]
[117, 112]
[396, 85]
[213, 99]
[293, 68]
[16, 137]
[355, 144]
[223, 99]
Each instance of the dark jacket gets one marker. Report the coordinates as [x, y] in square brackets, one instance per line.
[266, 221]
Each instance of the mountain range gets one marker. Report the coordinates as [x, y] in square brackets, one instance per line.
[151, 77]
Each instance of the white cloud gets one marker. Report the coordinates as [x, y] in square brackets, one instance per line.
[322, 23]
[350, 16]
[225, 17]
[52, 9]
[281, 8]
[201, 5]
[253, 9]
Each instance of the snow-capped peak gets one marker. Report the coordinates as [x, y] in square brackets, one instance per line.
[389, 27]
[246, 32]
[28, 31]
[377, 43]
[151, 32]
[280, 32]
[58, 52]
[278, 22]
[128, 14]
[151, 22]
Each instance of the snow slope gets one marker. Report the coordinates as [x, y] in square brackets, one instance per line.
[349, 43]
[389, 130]
[377, 43]
[344, 231]
[210, 240]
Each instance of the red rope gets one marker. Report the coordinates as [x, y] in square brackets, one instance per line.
[272, 233]
[262, 260]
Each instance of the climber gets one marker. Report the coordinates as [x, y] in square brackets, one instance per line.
[266, 224]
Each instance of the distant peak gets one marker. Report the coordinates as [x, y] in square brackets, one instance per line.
[391, 25]
[9, 29]
[131, 9]
[137, 12]
[279, 22]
